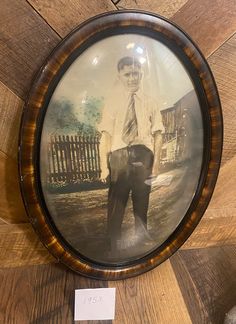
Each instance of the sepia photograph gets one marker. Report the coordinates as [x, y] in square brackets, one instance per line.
[121, 148]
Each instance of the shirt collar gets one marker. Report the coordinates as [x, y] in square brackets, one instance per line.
[138, 94]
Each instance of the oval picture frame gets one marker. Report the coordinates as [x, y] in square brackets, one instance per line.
[79, 70]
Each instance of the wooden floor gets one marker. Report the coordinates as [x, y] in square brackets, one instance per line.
[198, 283]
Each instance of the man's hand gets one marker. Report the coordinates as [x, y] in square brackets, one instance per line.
[105, 148]
[104, 175]
[155, 172]
[157, 153]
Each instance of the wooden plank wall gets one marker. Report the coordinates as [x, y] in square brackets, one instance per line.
[197, 285]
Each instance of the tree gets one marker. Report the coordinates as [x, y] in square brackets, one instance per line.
[61, 117]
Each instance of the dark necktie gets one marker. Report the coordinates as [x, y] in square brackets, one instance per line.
[130, 128]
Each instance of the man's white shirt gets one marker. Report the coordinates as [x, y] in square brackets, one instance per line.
[148, 116]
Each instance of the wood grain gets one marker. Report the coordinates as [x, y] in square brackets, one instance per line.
[10, 115]
[41, 294]
[151, 298]
[63, 16]
[197, 310]
[223, 65]
[210, 25]
[2, 222]
[207, 277]
[166, 8]
[224, 194]
[26, 40]
[217, 228]
[218, 225]
[19, 245]
[11, 205]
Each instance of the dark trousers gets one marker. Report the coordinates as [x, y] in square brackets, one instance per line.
[129, 168]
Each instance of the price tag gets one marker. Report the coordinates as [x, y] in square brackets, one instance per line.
[94, 304]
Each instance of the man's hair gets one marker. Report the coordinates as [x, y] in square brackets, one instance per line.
[128, 60]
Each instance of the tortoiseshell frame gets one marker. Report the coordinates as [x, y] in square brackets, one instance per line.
[95, 29]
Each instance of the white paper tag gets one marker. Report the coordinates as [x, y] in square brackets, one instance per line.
[95, 304]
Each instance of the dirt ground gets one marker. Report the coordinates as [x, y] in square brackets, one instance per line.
[81, 217]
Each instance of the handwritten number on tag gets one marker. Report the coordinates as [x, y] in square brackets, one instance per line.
[92, 300]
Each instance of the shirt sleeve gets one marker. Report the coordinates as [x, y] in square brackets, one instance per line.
[107, 120]
[156, 119]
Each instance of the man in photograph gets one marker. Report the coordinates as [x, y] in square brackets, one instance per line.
[130, 148]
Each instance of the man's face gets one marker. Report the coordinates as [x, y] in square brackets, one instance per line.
[131, 76]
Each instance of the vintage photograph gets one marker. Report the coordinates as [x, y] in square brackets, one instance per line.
[121, 148]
